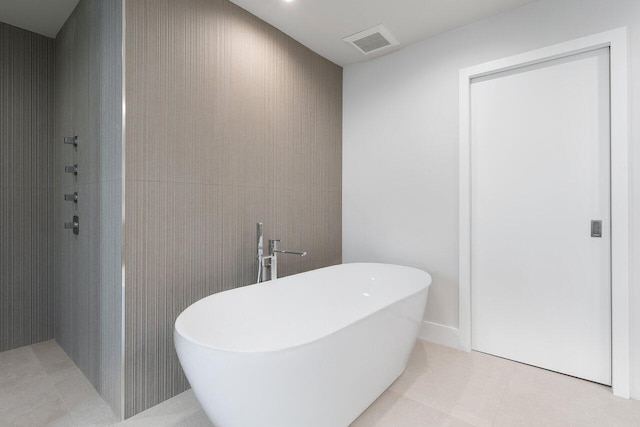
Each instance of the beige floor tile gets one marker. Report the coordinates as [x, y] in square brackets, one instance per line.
[51, 356]
[19, 367]
[158, 421]
[468, 386]
[85, 405]
[440, 387]
[82, 400]
[181, 410]
[66, 421]
[197, 419]
[31, 405]
[169, 420]
[74, 388]
[393, 410]
[94, 412]
[536, 397]
[183, 404]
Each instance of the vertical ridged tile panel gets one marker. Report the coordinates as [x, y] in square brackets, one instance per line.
[88, 267]
[26, 208]
[71, 291]
[110, 69]
[229, 122]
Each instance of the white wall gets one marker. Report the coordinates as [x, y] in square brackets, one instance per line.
[400, 144]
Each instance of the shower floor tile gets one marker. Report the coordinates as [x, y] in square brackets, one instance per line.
[441, 387]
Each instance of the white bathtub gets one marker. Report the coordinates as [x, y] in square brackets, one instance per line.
[313, 349]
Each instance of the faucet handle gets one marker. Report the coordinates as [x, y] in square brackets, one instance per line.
[71, 140]
[273, 245]
[72, 197]
[74, 225]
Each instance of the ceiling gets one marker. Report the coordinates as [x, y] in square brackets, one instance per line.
[44, 17]
[322, 24]
[318, 24]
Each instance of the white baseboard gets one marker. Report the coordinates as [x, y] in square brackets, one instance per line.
[440, 334]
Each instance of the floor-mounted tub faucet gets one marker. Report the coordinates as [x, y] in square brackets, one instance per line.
[273, 254]
[270, 262]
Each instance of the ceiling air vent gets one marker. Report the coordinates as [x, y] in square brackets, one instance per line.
[372, 40]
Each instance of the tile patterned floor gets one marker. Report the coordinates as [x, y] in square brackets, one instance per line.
[40, 386]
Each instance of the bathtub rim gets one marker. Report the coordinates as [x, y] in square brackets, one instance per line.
[315, 339]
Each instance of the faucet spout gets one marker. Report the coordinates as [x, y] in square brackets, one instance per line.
[268, 265]
[274, 251]
[291, 252]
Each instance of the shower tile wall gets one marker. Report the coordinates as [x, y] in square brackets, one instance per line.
[229, 122]
[26, 208]
[87, 268]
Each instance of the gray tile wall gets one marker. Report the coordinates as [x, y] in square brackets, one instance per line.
[87, 269]
[26, 208]
[229, 122]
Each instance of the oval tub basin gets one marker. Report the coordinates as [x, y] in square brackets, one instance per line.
[310, 350]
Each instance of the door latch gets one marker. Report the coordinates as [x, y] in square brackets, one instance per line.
[596, 228]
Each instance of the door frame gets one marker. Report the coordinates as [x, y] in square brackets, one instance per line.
[616, 40]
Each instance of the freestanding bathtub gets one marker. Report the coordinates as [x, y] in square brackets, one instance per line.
[310, 350]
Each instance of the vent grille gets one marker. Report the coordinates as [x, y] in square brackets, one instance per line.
[372, 40]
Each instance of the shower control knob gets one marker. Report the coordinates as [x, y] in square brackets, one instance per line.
[71, 140]
[74, 225]
[71, 169]
[73, 197]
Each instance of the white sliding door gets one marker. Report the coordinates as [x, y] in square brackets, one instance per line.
[540, 177]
